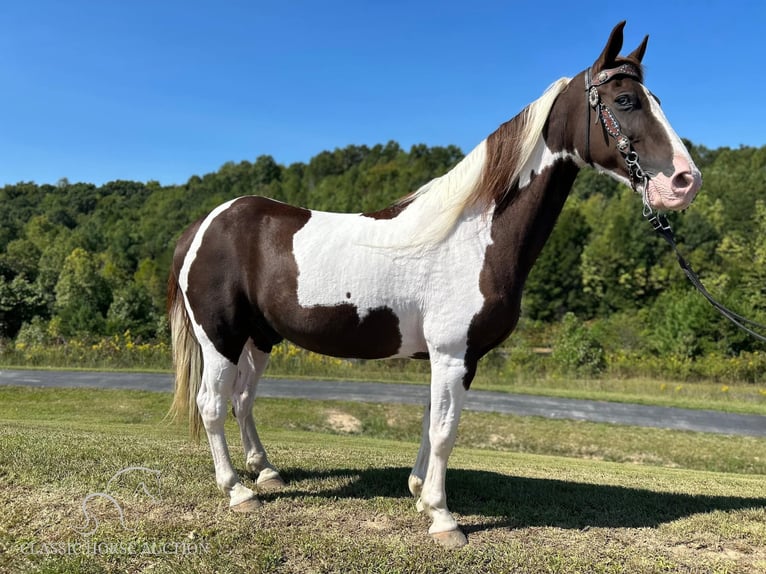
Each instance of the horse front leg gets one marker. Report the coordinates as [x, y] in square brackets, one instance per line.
[447, 399]
[250, 367]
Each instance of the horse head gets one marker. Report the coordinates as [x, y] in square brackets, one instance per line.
[625, 134]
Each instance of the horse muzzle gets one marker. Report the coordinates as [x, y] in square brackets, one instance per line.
[677, 191]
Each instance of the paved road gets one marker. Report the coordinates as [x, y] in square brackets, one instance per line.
[555, 408]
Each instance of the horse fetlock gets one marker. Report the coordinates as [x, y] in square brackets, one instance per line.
[256, 463]
[415, 483]
[269, 479]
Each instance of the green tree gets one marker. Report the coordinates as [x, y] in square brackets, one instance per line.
[82, 296]
[620, 262]
[20, 302]
[575, 350]
[132, 310]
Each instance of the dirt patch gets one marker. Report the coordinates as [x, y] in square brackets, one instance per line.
[343, 422]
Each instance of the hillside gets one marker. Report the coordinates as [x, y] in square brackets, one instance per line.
[81, 261]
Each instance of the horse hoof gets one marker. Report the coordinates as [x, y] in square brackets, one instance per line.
[249, 505]
[272, 484]
[451, 539]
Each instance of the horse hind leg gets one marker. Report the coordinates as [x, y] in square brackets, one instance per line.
[418, 474]
[218, 379]
[252, 363]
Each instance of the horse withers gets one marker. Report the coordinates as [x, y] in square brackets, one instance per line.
[438, 275]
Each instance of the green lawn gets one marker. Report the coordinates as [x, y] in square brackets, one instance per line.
[533, 495]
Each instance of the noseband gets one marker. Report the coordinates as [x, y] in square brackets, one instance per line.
[638, 179]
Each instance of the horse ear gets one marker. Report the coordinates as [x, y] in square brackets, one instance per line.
[612, 48]
[638, 53]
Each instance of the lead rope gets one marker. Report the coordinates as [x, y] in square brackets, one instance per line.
[662, 227]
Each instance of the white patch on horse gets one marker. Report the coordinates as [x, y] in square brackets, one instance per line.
[661, 193]
[541, 159]
[679, 149]
[431, 287]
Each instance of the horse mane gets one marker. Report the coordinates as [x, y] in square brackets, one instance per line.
[511, 145]
[484, 176]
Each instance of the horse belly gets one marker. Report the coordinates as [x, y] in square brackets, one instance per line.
[346, 331]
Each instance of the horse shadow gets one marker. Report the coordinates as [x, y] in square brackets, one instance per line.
[520, 502]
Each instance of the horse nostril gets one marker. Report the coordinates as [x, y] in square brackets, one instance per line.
[681, 181]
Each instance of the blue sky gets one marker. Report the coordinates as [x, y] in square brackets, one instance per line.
[162, 90]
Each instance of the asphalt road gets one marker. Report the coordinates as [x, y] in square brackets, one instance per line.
[527, 405]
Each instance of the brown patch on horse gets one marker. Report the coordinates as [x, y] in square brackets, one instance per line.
[391, 211]
[246, 259]
[235, 241]
[339, 331]
[525, 223]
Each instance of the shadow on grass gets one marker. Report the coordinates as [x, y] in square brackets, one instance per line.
[516, 502]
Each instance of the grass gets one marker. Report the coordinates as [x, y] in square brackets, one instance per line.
[533, 495]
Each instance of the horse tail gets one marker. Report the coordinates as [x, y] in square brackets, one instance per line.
[187, 360]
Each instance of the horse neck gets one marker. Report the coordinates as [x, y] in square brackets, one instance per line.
[521, 227]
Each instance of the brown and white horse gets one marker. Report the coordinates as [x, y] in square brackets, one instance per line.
[438, 275]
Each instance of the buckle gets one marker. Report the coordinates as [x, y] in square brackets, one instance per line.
[660, 223]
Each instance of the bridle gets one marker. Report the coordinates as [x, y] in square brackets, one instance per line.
[639, 181]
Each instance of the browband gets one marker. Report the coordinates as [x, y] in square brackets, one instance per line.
[604, 76]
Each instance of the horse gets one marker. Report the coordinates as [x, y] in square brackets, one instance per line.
[438, 275]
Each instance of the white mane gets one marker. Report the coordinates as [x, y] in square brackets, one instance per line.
[441, 201]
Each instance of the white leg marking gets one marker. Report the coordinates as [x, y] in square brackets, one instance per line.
[252, 363]
[418, 473]
[447, 399]
[218, 378]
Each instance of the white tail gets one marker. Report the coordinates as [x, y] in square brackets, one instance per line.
[187, 361]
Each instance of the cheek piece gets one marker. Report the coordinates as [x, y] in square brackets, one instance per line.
[638, 179]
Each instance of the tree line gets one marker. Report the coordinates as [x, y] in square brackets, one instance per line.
[80, 261]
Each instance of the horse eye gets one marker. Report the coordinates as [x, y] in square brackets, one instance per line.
[624, 102]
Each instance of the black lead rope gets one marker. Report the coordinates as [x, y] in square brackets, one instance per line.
[662, 227]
